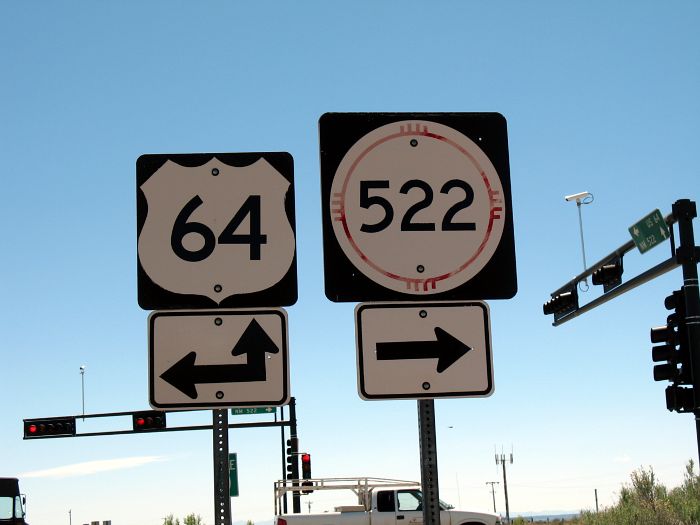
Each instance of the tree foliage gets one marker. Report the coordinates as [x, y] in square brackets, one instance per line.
[190, 519]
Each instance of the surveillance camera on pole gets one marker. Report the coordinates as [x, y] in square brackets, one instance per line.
[579, 197]
[583, 197]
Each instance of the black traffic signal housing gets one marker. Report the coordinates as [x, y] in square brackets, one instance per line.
[148, 420]
[675, 350]
[306, 466]
[49, 427]
[609, 275]
[680, 399]
[306, 472]
[562, 303]
[292, 463]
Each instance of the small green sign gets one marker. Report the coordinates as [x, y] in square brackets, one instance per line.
[233, 475]
[245, 411]
[650, 231]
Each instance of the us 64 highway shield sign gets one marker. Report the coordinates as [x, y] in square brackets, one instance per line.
[216, 230]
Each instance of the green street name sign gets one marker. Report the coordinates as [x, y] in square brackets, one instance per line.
[233, 475]
[649, 231]
[244, 411]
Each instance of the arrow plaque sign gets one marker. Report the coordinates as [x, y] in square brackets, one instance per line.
[423, 350]
[218, 358]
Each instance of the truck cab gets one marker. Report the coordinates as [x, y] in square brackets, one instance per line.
[380, 501]
[11, 502]
[404, 506]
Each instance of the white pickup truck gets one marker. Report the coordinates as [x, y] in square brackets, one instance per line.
[380, 502]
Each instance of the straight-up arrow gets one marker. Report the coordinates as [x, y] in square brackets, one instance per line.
[446, 348]
[185, 375]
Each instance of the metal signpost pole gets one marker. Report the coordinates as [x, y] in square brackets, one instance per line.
[284, 471]
[684, 211]
[296, 497]
[222, 499]
[428, 462]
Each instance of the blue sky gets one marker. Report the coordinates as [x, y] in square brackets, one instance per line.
[599, 97]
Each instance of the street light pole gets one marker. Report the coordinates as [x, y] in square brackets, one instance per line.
[82, 385]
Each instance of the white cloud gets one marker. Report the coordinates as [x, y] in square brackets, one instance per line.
[622, 459]
[92, 467]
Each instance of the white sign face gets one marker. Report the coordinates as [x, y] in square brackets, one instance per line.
[423, 350]
[216, 230]
[218, 358]
[417, 207]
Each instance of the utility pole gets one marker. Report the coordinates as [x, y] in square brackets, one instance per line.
[308, 504]
[596, 501]
[493, 493]
[501, 460]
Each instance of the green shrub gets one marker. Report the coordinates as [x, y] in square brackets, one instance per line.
[648, 502]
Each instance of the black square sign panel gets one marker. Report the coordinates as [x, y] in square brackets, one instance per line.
[216, 230]
[416, 206]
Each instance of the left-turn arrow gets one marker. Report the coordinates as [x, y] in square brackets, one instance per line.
[185, 375]
[447, 348]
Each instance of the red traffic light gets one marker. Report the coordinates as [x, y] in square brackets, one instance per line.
[49, 427]
[306, 466]
[148, 420]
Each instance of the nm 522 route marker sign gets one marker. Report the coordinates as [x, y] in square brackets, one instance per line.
[216, 230]
[416, 205]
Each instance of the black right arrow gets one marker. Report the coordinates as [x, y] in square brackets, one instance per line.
[447, 348]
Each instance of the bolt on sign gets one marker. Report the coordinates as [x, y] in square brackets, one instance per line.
[216, 230]
[416, 205]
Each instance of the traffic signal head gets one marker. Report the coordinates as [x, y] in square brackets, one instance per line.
[306, 466]
[674, 346]
[49, 427]
[562, 304]
[680, 399]
[148, 420]
[292, 465]
[609, 275]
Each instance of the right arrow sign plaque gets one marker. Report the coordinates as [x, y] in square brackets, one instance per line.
[423, 350]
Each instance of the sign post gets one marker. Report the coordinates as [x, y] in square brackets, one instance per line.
[222, 500]
[216, 231]
[417, 206]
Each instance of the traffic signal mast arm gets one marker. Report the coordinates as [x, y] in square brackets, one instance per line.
[72, 432]
[605, 272]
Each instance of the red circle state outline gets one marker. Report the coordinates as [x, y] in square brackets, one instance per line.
[428, 282]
